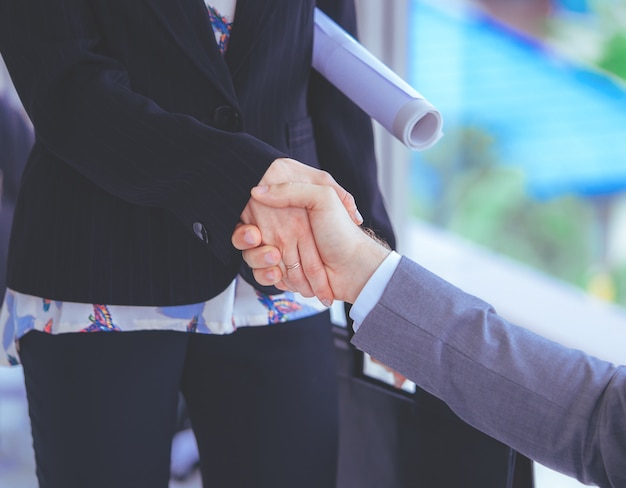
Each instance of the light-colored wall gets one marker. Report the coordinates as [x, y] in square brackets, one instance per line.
[382, 29]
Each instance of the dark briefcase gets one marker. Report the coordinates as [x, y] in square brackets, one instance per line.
[390, 438]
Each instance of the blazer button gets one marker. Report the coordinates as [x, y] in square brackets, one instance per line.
[201, 232]
[226, 118]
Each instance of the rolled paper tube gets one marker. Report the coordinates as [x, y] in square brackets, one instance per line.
[373, 86]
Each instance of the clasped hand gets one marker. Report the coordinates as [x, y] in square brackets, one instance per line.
[289, 231]
[299, 214]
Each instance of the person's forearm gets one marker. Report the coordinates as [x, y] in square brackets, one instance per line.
[555, 405]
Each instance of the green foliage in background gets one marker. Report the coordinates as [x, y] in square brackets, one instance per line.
[597, 38]
[613, 55]
[619, 279]
[610, 28]
[482, 199]
[478, 196]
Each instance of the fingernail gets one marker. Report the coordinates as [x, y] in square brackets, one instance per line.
[249, 238]
[269, 258]
[261, 189]
[326, 302]
[270, 276]
[358, 216]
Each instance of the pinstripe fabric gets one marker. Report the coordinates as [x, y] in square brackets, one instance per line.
[132, 149]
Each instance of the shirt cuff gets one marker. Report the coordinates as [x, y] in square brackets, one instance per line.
[373, 289]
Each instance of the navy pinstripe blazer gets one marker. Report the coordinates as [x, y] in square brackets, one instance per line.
[145, 133]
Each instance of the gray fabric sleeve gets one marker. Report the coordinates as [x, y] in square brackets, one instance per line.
[556, 405]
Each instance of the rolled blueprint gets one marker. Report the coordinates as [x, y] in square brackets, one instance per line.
[374, 87]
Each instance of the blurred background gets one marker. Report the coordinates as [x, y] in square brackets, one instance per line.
[522, 202]
[534, 164]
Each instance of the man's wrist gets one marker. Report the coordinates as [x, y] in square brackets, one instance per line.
[368, 255]
[372, 291]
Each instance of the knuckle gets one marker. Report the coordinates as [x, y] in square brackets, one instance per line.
[314, 268]
[349, 200]
[326, 177]
[247, 258]
[258, 276]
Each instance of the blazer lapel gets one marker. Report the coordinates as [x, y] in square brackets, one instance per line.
[251, 18]
[187, 21]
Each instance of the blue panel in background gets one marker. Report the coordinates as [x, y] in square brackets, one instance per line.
[564, 125]
[579, 6]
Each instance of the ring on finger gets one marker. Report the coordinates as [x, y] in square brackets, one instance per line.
[290, 267]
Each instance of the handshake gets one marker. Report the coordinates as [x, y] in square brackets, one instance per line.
[301, 231]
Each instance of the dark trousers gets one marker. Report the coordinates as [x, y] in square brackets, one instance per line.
[262, 403]
[451, 453]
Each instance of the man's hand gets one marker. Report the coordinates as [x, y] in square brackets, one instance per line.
[349, 257]
[285, 170]
[289, 231]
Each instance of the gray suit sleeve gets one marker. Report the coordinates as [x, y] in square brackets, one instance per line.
[556, 405]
